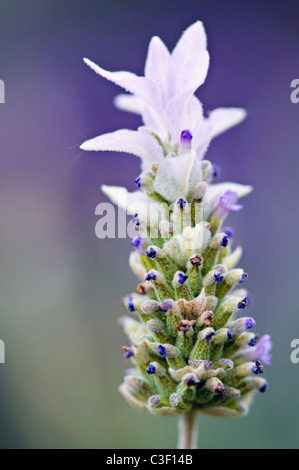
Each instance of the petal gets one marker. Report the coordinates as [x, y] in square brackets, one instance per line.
[192, 42]
[202, 138]
[191, 57]
[222, 119]
[137, 200]
[183, 111]
[130, 103]
[177, 176]
[148, 210]
[141, 144]
[140, 86]
[215, 191]
[173, 115]
[194, 72]
[151, 118]
[193, 115]
[159, 67]
[220, 188]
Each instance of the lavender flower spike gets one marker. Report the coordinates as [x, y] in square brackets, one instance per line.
[190, 353]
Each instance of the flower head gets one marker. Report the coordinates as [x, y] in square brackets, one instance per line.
[189, 350]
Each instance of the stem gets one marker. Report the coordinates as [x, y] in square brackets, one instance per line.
[188, 431]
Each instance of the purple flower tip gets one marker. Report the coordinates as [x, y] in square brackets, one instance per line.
[151, 252]
[165, 306]
[191, 380]
[162, 350]
[218, 277]
[209, 336]
[224, 241]
[244, 277]
[264, 387]
[150, 276]
[181, 203]
[216, 170]
[230, 335]
[186, 136]
[136, 242]
[250, 323]
[219, 390]
[137, 181]
[253, 341]
[131, 306]
[151, 369]
[196, 260]
[182, 278]
[243, 303]
[136, 220]
[129, 353]
[257, 369]
[229, 231]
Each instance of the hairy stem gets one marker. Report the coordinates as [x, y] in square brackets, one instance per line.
[188, 431]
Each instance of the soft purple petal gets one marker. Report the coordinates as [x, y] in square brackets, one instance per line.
[216, 191]
[260, 352]
[235, 207]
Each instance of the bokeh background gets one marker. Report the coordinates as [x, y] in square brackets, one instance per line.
[60, 286]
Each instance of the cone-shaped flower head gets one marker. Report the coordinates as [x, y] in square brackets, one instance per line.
[190, 346]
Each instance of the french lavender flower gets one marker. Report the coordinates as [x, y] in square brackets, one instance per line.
[190, 347]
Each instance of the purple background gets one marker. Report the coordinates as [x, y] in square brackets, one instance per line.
[60, 286]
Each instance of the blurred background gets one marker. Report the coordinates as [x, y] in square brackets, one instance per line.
[60, 286]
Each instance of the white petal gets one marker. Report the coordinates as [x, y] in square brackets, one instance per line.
[138, 143]
[192, 42]
[140, 86]
[183, 112]
[177, 176]
[130, 103]
[122, 198]
[150, 116]
[173, 114]
[159, 67]
[194, 72]
[149, 211]
[191, 58]
[193, 114]
[223, 119]
[202, 138]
